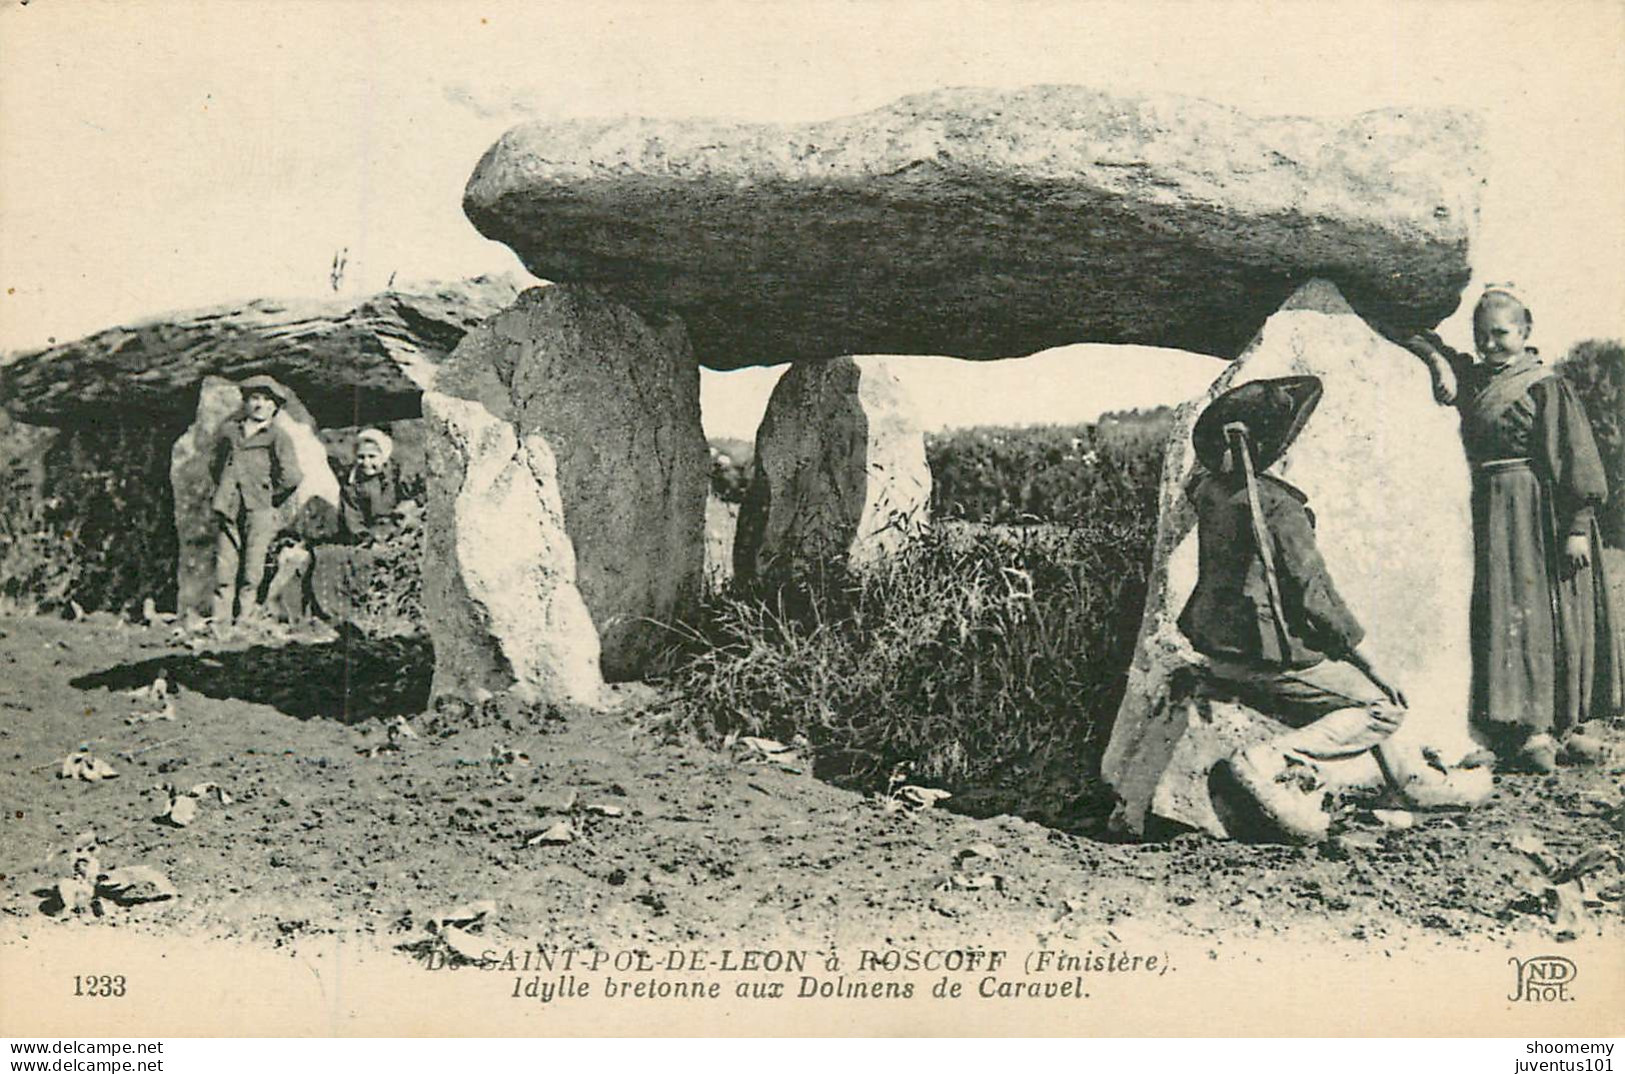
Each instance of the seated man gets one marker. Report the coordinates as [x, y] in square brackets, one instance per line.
[1266, 614]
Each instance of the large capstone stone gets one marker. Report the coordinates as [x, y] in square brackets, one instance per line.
[989, 223]
[839, 473]
[309, 512]
[1386, 477]
[499, 570]
[350, 360]
[617, 401]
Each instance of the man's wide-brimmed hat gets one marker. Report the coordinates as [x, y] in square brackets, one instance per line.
[263, 383]
[1274, 412]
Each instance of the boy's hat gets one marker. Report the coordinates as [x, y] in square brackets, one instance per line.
[262, 383]
[1274, 412]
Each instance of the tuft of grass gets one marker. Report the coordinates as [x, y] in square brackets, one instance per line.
[986, 660]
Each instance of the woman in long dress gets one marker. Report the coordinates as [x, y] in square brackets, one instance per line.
[1548, 651]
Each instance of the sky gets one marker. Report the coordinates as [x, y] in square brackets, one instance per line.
[161, 156]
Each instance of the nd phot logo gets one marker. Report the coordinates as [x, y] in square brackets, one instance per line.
[1543, 979]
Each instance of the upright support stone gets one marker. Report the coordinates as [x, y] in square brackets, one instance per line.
[721, 523]
[317, 496]
[1384, 471]
[618, 403]
[499, 570]
[839, 473]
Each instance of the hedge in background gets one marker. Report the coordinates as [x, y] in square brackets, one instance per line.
[1047, 473]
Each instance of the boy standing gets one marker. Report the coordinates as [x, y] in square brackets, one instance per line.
[255, 468]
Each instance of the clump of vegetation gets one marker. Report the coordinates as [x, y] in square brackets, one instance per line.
[389, 586]
[988, 660]
[91, 521]
[730, 468]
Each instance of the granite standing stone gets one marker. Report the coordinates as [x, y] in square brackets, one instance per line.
[1384, 471]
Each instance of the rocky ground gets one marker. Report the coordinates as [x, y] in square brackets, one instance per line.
[606, 830]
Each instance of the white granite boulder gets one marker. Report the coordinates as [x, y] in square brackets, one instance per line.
[499, 570]
[839, 472]
[1385, 474]
[721, 523]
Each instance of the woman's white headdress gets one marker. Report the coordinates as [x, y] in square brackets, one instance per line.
[385, 445]
[1506, 290]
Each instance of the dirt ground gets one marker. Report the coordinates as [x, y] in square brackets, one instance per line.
[327, 833]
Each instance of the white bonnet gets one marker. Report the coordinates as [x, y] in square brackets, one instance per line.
[377, 437]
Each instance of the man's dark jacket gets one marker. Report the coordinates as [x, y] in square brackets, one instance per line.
[1229, 612]
[255, 472]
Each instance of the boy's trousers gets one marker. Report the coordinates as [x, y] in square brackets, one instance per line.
[241, 543]
[1334, 709]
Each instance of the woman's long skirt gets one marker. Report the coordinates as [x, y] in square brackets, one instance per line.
[1547, 647]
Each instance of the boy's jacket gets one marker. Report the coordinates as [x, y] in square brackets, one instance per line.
[1229, 612]
[255, 472]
